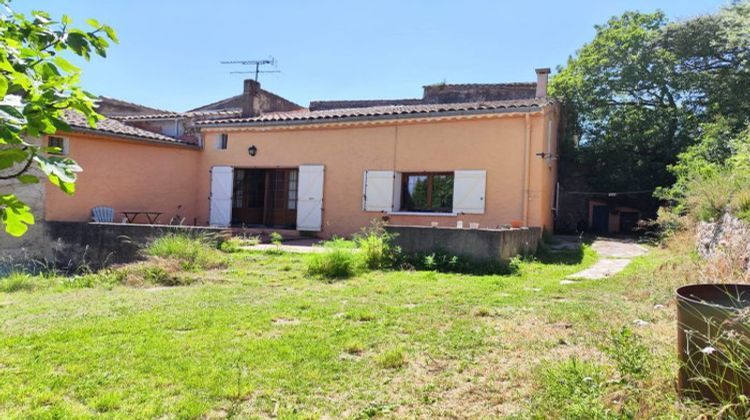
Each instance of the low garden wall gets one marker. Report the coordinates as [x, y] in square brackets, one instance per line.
[473, 244]
[71, 244]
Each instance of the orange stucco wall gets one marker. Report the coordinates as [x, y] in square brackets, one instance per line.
[495, 144]
[126, 175]
[133, 175]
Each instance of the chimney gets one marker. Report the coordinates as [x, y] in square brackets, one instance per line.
[542, 77]
[251, 98]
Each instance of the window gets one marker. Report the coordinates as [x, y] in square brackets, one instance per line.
[222, 141]
[238, 197]
[292, 194]
[427, 192]
[57, 143]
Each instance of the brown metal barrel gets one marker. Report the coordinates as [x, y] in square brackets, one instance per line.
[713, 330]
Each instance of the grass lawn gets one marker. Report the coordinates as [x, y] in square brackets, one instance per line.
[262, 338]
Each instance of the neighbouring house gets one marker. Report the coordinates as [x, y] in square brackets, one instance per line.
[473, 154]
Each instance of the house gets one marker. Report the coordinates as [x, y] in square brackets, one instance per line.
[470, 154]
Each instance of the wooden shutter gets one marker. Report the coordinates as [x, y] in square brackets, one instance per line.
[469, 191]
[310, 198]
[222, 184]
[378, 191]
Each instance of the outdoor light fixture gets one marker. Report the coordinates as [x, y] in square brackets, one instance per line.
[252, 150]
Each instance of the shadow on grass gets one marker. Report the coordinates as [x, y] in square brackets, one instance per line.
[564, 256]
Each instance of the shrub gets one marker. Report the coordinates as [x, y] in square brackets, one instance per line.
[232, 245]
[709, 197]
[192, 253]
[376, 246]
[741, 205]
[335, 263]
[276, 238]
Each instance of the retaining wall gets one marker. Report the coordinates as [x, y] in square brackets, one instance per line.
[69, 244]
[474, 244]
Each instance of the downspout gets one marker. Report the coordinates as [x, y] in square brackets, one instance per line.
[526, 170]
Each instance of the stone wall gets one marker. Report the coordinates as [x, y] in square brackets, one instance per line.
[33, 196]
[473, 244]
[728, 238]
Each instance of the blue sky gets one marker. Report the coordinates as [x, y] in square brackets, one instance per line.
[169, 50]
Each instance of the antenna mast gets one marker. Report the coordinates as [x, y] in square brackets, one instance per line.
[270, 61]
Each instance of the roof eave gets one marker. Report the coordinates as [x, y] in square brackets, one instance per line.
[425, 115]
[136, 138]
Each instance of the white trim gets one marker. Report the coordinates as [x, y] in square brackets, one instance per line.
[66, 145]
[219, 141]
[421, 213]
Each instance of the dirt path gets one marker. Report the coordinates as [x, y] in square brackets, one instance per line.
[615, 256]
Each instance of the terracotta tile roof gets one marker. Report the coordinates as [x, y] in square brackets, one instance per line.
[386, 112]
[480, 85]
[111, 126]
[361, 103]
[224, 113]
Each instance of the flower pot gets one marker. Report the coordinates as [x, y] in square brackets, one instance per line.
[713, 341]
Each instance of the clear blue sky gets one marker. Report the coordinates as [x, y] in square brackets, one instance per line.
[169, 50]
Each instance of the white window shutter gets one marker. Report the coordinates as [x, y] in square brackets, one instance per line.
[222, 186]
[469, 191]
[397, 178]
[310, 198]
[378, 191]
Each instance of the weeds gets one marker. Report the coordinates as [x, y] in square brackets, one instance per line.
[276, 238]
[392, 359]
[571, 389]
[629, 353]
[17, 281]
[192, 253]
[376, 246]
[334, 263]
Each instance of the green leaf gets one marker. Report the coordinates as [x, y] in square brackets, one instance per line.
[12, 156]
[65, 65]
[79, 44]
[16, 216]
[12, 111]
[111, 34]
[3, 86]
[28, 179]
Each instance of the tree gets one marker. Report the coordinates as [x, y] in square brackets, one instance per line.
[37, 86]
[642, 91]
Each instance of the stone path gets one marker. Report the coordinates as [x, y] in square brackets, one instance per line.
[615, 256]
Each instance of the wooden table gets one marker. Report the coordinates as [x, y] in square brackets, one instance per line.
[152, 216]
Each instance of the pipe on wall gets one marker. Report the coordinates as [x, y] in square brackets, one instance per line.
[526, 171]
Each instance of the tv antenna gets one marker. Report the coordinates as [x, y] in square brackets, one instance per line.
[270, 61]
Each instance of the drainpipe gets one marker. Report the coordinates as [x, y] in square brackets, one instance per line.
[526, 170]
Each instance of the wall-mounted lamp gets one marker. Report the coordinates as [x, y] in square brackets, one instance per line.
[548, 156]
[252, 150]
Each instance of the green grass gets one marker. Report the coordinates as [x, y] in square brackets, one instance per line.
[261, 337]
